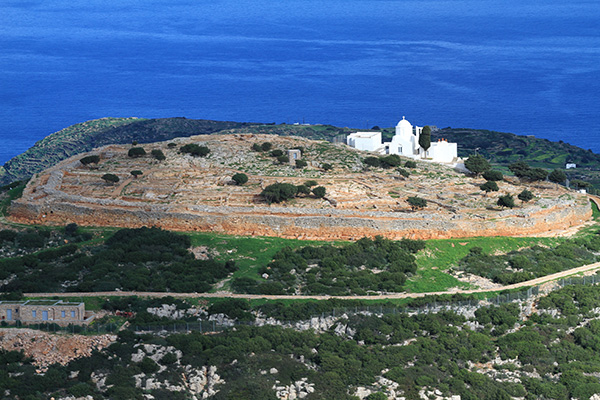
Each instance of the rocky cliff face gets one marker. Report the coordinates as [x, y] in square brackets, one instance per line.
[188, 194]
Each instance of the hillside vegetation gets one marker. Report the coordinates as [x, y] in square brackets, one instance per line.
[500, 148]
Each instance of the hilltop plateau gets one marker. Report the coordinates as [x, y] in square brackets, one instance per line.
[184, 192]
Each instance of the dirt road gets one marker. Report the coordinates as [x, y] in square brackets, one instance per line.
[533, 282]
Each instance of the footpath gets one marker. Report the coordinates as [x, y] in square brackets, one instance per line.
[533, 282]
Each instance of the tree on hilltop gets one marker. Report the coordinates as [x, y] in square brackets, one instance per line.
[158, 154]
[110, 178]
[493, 175]
[136, 152]
[416, 203]
[506, 201]
[489, 186]
[557, 176]
[195, 150]
[94, 159]
[477, 164]
[525, 196]
[319, 192]
[425, 138]
[278, 192]
[240, 178]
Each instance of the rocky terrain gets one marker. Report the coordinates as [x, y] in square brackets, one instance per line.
[47, 349]
[197, 194]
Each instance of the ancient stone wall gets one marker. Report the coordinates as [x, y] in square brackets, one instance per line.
[289, 222]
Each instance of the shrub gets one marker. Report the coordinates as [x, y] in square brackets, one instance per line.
[489, 186]
[256, 147]
[278, 192]
[506, 201]
[410, 164]
[493, 175]
[403, 172]
[372, 161]
[557, 176]
[171, 145]
[393, 160]
[477, 164]
[71, 229]
[195, 150]
[90, 160]
[110, 178]
[240, 178]
[416, 202]
[276, 153]
[283, 159]
[319, 192]
[327, 167]
[303, 189]
[136, 173]
[266, 146]
[301, 163]
[135, 152]
[310, 183]
[525, 195]
[158, 154]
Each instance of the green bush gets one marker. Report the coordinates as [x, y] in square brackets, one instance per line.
[266, 146]
[240, 178]
[110, 178]
[278, 192]
[493, 175]
[94, 159]
[506, 201]
[276, 153]
[416, 203]
[135, 152]
[195, 150]
[410, 164]
[319, 192]
[301, 164]
[158, 154]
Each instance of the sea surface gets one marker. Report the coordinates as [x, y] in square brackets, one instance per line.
[521, 66]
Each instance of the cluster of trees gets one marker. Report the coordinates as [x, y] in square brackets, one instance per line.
[195, 150]
[279, 192]
[530, 263]
[357, 268]
[478, 165]
[522, 170]
[145, 259]
[32, 240]
[390, 161]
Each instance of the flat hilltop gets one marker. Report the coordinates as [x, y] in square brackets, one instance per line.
[196, 193]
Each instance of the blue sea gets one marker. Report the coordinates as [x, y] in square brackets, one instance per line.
[527, 67]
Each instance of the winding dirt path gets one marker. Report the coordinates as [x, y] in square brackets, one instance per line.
[533, 282]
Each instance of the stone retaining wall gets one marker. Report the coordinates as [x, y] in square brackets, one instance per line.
[320, 224]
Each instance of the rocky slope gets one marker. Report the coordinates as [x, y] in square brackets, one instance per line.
[189, 193]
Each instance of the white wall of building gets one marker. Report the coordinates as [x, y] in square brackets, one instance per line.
[369, 141]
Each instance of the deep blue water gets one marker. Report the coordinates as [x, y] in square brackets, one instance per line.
[523, 66]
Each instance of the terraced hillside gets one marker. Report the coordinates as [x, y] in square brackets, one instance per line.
[190, 193]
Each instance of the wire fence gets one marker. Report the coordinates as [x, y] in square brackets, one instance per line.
[92, 329]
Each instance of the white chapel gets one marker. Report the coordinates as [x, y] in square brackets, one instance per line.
[405, 143]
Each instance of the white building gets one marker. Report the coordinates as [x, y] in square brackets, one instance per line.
[405, 143]
[369, 141]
